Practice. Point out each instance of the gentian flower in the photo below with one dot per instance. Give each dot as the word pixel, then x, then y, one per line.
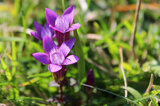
pixel 90 78
pixel 56 57
pixel 90 81
pixel 61 24
pixel 42 31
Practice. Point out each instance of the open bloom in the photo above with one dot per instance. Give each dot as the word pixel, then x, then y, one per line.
pixel 61 24
pixel 42 31
pixel 55 56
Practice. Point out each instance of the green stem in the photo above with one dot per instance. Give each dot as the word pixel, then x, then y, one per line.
pixel 63 5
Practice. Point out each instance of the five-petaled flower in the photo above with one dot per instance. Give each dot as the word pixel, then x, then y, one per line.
pixel 61 24
pixel 55 56
pixel 42 31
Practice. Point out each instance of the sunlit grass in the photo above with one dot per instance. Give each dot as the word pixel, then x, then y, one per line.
pixel 24 81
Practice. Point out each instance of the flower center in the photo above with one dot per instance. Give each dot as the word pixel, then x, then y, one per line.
pixel 56 57
pixel 61 23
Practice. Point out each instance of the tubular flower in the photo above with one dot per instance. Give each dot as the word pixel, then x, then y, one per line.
pixel 56 57
pixel 90 81
pixel 42 31
pixel 61 24
pixel 60 76
pixel 90 78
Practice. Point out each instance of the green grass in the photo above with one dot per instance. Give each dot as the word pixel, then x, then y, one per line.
pixel 25 81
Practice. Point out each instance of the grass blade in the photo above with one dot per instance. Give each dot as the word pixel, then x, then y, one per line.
pixel 79 53
pixel 8 74
pixel 45 74
pixel 9 39
pixel 13 57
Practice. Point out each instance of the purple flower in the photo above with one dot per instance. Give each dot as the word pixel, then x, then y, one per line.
pixel 60 76
pixel 90 81
pixel 90 78
pixel 42 31
pixel 55 56
pixel 61 24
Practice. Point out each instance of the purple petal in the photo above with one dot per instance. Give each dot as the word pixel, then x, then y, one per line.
pixel 36 35
pixel 41 57
pixel 38 27
pixel 90 78
pixel 48 44
pixel 50 16
pixel 49 30
pixel 55 29
pixel 67 46
pixel 53 35
pixel 69 14
pixel 73 27
pixel 46 25
pixel 54 68
pixel 70 60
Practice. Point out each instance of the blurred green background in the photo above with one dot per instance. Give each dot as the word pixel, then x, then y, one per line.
pixel 106 26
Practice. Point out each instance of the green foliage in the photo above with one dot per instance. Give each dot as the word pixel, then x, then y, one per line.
pixel 7 72
pixel 79 53
pixel 104 29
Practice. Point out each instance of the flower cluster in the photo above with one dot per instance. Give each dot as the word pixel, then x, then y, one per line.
pixel 56 56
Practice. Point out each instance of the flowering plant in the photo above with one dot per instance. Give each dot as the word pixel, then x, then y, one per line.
pixel 62 24
pixel 57 56
pixel 42 31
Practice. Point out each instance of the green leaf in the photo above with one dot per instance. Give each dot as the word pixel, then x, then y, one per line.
pixel 9 39
pixel 23 36
pixel 4 84
pixel 157 89
pixel 154 102
pixel 16 93
pixel 127 66
pixel 79 53
pixel 45 74
pixel 124 45
pixel 113 48
pixel 31 81
pixel 88 2
pixel 7 72
pixel 127 25
pixel 16 8
pixel 11 93
pixel 37 47
pixel 13 57
pixel 144 98
pixel 31 98
pixel 112 93
pixel 99 42
pixel 134 92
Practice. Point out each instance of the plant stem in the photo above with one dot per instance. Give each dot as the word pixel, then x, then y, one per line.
pixel 135 27
pixel 123 73
pixel 61 90
pixel 63 5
